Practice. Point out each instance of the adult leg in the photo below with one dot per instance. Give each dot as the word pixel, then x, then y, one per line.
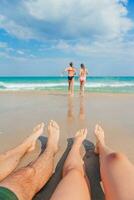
pixel 83 87
pixel 82 84
pixel 73 184
pixel 117 172
pixel 80 87
pixel 72 86
pixel 69 86
pixel 26 182
pixel 10 159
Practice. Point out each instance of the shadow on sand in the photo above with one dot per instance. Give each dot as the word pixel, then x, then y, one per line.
pixel 91 161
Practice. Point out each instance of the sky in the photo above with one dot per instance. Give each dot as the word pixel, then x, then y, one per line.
pixel 40 37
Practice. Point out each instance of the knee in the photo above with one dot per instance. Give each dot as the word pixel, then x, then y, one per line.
pixel 66 169
pixel 115 157
pixel 76 172
pixel 72 169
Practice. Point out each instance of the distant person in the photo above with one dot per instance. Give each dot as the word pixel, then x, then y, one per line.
pixel 71 73
pixel 83 74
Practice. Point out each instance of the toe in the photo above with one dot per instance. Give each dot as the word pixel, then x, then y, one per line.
pixel 42 125
pixel 77 133
pixel 36 128
pixel 39 126
pixel 55 125
pixel 100 129
pixel 85 131
pixel 96 128
pixel 50 123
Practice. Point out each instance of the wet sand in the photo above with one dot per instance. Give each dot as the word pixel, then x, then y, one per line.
pixel 21 111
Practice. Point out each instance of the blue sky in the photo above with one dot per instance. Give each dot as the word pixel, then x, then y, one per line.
pixel 39 38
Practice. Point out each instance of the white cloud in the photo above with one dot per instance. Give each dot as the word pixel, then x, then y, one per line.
pixel 15 29
pixel 114 49
pixel 3 45
pixel 20 52
pixel 62 45
pixel 8 52
pixel 65 19
pixel 83 18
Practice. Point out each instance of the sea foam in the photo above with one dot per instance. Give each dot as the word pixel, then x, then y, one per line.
pixel 93 84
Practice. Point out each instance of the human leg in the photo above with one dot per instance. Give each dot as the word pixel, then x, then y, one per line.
pixel 73 184
pixel 80 87
pixel 29 180
pixel 117 172
pixel 10 159
pixel 72 86
pixel 69 86
pixel 83 87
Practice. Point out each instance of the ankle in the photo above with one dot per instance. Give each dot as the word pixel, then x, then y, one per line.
pixel 53 148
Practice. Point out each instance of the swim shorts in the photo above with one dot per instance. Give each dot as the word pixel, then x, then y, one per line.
pixel 6 194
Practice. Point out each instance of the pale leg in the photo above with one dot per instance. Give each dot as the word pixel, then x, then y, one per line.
pixel 117 172
pixel 82 85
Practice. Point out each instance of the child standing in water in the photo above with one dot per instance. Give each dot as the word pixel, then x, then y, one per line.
pixel 71 73
pixel 83 74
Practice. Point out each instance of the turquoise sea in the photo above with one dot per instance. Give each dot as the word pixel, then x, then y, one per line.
pixel 93 84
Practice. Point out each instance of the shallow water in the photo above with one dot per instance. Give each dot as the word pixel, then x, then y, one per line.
pixel 93 84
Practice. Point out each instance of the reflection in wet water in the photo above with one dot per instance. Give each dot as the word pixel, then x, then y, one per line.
pixel 70 111
pixel 73 115
pixel 82 109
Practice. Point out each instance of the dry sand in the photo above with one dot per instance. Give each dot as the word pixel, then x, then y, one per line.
pixel 21 111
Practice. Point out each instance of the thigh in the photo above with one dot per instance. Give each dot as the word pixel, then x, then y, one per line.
pixel 83 84
pixel 69 82
pixel 117 177
pixel 72 81
pixel 72 186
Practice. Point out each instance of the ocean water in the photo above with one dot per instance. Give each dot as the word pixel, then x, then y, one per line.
pixel 93 84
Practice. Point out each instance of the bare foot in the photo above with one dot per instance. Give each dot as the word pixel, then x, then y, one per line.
pixel 99 134
pixel 31 140
pixel 80 136
pixel 53 135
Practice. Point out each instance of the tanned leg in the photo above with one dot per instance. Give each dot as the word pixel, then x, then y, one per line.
pixel 72 86
pixel 26 182
pixel 69 87
pixel 10 159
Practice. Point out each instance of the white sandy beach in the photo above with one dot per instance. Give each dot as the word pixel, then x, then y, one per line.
pixel 21 111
